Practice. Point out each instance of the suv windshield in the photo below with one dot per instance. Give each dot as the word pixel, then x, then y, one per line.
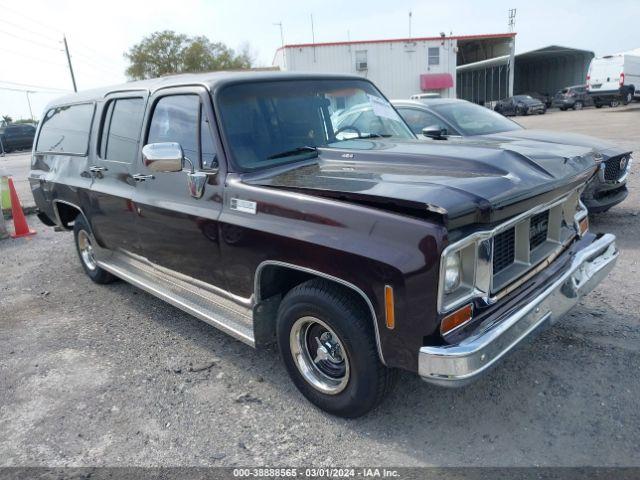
pixel 271 123
pixel 471 119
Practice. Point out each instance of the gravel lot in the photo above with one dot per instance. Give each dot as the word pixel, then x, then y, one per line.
pixel 109 375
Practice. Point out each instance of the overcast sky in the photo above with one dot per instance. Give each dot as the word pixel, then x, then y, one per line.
pixel 99 32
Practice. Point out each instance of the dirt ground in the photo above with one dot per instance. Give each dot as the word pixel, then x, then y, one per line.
pixel 109 375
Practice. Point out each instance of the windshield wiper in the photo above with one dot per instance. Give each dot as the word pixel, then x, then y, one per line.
pixel 375 135
pixel 368 135
pixel 290 153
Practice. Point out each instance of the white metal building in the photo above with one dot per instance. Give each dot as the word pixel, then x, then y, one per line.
pixel 399 67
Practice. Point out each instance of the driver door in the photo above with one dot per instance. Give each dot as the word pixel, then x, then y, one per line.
pixel 177 230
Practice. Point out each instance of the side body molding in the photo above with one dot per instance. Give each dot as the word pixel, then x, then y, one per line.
pixel 275 263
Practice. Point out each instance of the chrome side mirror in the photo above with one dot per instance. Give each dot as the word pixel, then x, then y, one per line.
pixel 163 157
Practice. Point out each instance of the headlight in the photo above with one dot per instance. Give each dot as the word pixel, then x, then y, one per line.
pixel 458 274
pixel 452 267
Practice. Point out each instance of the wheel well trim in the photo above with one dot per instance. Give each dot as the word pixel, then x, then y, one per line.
pixel 59 219
pixel 291 266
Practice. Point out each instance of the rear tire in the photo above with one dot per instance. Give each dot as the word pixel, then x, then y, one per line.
pixel 628 97
pixel 598 105
pixel 84 247
pixel 329 349
pixel 614 103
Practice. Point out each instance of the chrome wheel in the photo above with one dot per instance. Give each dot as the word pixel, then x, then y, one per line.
pixel 319 355
pixel 86 250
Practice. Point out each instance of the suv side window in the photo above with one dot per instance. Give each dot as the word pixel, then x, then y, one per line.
pixel 175 119
pixel 121 129
pixel 65 129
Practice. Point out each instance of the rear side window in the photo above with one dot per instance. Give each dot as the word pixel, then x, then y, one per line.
pixel 121 129
pixel 66 129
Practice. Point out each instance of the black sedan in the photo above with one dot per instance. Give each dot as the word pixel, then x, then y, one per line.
pixel 16 136
pixel 449 119
pixel 520 105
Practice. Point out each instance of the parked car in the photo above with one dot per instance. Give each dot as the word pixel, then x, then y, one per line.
pixel 575 97
pixel 233 196
pixel 542 97
pixel 16 136
pixel 614 78
pixel 520 105
pixel 458 119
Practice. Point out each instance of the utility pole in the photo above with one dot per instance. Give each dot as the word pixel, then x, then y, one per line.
pixel 284 54
pixel 512 52
pixel 66 49
pixel 410 14
pixel 313 40
pixel 29 103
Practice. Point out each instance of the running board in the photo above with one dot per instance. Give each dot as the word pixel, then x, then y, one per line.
pixel 218 311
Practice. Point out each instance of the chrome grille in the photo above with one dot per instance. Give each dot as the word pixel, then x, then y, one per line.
pixel 523 245
pixel 495 262
pixel 504 250
pixel 538 229
pixel 612 169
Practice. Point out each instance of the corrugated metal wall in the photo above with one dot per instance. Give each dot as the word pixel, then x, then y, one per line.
pixel 550 75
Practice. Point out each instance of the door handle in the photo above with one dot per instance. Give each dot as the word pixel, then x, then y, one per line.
pixel 138 177
pixel 96 169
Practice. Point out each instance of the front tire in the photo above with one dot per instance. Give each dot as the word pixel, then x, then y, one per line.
pixel 85 248
pixel 628 97
pixel 329 349
pixel 578 106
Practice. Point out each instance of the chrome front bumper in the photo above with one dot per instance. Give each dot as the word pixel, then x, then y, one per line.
pixel 458 365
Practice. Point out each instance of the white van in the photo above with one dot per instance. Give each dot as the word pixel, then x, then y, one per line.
pixel 614 78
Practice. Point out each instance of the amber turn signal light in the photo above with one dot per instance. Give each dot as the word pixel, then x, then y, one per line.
pixel 584 225
pixel 390 313
pixel 456 319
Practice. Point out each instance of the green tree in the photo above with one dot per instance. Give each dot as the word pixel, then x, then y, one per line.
pixel 167 52
pixel 7 119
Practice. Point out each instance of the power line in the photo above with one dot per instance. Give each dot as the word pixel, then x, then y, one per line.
pixel 31 57
pixel 26 90
pixel 95 52
pixel 33 32
pixel 28 85
pixel 40 44
pixel 30 19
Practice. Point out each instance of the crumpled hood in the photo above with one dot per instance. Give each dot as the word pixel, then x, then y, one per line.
pixel 607 149
pixel 459 181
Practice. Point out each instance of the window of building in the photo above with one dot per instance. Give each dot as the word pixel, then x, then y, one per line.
pixel 66 129
pixel 175 119
pixel 121 129
pixel 434 56
pixel 361 60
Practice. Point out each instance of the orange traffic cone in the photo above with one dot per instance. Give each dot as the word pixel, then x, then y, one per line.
pixel 20 227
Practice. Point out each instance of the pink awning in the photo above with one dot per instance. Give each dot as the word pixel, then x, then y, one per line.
pixel 435 81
